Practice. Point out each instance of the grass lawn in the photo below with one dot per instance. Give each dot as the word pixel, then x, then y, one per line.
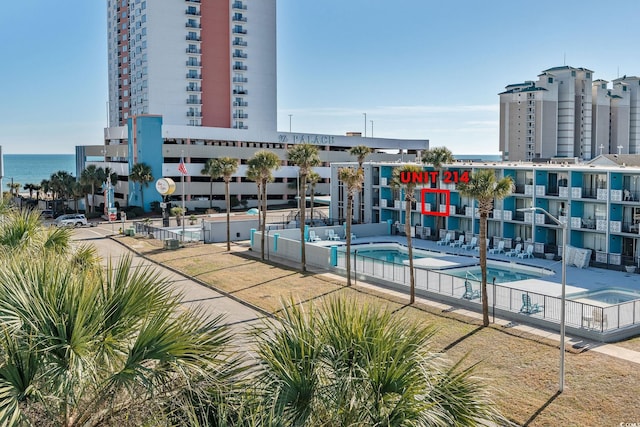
pixel 522 370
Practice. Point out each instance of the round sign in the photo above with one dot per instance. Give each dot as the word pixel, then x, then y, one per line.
pixel 112 217
pixel 165 186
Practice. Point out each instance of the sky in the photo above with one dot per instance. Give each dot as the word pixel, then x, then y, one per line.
pixel 418 69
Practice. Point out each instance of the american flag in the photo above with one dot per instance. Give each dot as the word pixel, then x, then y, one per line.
pixel 181 167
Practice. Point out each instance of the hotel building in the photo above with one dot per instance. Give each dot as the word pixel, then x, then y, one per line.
pixel 566 114
pixel 197 80
pixel 599 201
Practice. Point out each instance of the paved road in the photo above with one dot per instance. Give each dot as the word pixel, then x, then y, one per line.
pixel 239 316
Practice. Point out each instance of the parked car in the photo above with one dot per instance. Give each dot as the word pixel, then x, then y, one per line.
pixel 47 214
pixel 71 220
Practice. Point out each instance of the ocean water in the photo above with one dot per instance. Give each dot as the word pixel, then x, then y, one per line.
pixel 33 168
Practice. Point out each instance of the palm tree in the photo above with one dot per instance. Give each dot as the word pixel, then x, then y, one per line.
pixel 141 173
pixel 224 168
pixel 62 184
pixel 46 186
pixel 361 152
pixel 409 197
pixel 178 212
pixel 349 364
pixel 30 188
pixel 254 175
pixel 437 157
pixel 261 166
pixel 14 187
pixel 228 167
pixel 86 348
pixel 353 180
pixel 91 176
pixel 305 156
pixel 485 188
pixel 312 179
pixel 211 169
pixel 37 188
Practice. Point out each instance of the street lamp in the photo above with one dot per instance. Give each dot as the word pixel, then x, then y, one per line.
pixel 565 229
pixel 365 124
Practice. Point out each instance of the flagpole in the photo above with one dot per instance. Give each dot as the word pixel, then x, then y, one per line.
pixel 183 195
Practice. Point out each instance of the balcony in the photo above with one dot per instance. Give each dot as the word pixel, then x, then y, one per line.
pixel 192 25
pixel 240 116
pixel 239 31
pixel 192 12
pixel 240 104
pixel 240 80
pixel 239 55
pixel 194 64
pixel 239 43
pixel 240 92
pixel 194 51
pixel 194 38
pixel 239 5
pixel 240 67
pixel 194 114
pixel 192 1
pixel 194 76
pixel 240 127
pixel 194 89
pixel 194 101
pixel 239 19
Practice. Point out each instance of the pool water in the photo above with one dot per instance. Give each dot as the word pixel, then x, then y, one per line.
pixel 501 275
pixel 610 296
pixel 388 255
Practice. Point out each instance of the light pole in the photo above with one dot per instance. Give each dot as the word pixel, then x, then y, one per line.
pixel 565 228
pixel 290 115
pixel 371 128
pixel 365 124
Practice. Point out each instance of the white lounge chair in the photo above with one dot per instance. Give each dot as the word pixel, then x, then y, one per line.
pixel 458 243
pixel 498 249
pixel 527 254
pixel 445 241
pixel 471 245
pixel 331 235
pixel 313 237
pixel 516 251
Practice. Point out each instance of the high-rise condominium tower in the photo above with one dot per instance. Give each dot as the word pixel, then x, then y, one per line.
pixel 200 63
pixel 548 118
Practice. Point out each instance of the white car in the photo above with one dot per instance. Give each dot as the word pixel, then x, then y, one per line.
pixel 71 220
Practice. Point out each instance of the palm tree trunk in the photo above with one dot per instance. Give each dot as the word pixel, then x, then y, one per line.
pixel 93 200
pixel 303 206
pixel 483 268
pixel 311 208
pixel 211 194
pixel 348 238
pixel 407 231
pixel 264 215
pixel 226 197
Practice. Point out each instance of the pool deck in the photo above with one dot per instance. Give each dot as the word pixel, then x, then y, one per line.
pixel 578 279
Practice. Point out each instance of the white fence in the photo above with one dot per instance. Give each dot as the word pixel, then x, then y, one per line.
pixel 609 323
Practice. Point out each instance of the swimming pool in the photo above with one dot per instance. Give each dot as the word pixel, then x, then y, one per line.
pixel 396 256
pixel 609 296
pixel 502 274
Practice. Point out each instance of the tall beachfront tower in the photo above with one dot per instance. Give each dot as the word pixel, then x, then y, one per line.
pixel 196 63
pixel 548 118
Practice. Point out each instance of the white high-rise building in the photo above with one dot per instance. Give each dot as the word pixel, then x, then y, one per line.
pixel 209 63
pixel 548 118
pixel 194 80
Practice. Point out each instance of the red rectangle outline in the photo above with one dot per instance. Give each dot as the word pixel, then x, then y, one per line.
pixel 447 194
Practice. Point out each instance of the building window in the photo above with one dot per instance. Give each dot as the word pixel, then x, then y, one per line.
pixel 550 80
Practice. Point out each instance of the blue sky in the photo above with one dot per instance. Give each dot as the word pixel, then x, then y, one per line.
pixel 417 68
